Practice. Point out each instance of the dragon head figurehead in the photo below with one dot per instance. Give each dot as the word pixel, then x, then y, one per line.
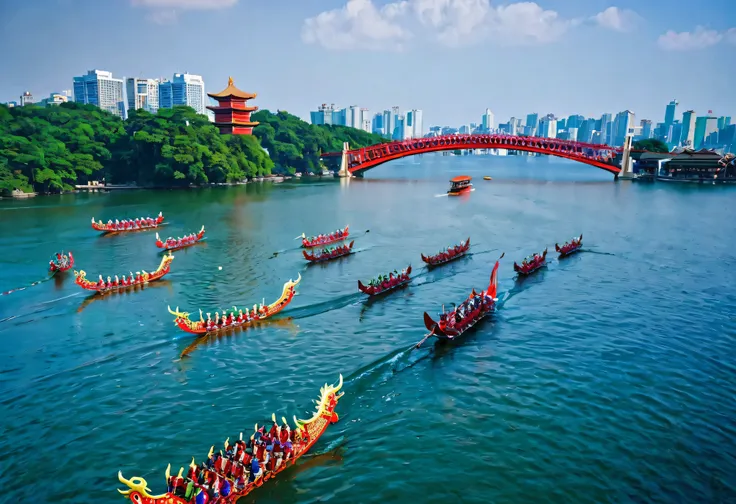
pixel 329 395
pixel 80 275
pixel 139 493
pixel 165 262
pixel 180 316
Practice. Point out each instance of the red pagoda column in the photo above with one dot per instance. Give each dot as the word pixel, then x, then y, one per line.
pixel 232 114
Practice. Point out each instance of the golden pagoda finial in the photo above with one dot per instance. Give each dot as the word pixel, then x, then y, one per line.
pixel 229 81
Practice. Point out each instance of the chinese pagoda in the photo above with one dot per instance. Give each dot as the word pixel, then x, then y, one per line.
pixel 232 114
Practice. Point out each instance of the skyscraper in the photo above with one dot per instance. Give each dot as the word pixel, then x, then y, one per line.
pixel 646 129
pixel 183 89
pixel 669 114
pixel 323 114
pixel 575 121
pixel 26 98
pixel 547 127
pixel 532 121
pixel 377 126
pixel 487 121
pixel 605 129
pixel 101 89
pixel 585 131
pixel 704 126
pixel 723 122
pixel 688 129
pixel 142 94
pixel 622 126
pixel 414 120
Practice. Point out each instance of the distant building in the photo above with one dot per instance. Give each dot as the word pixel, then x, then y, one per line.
pixel 54 99
pixel 532 121
pixel 586 131
pixel 323 114
pixel 646 129
pixel 575 121
pixel 26 99
pixel 101 89
pixel 142 94
pixel 688 129
pixel 572 134
pixel 669 114
pixel 414 123
pixel 698 166
pixel 623 125
pixel 606 129
pixel 377 124
pixel 232 113
pixel 704 126
pixel 673 140
pixel 487 122
pixel 723 122
pixel 547 126
pixel 183 89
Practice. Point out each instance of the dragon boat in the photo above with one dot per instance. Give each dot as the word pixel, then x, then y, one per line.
pixel 450 254
pixel 187 241
pixel 236 318
pixel 61 262
pixel 532 264
pixel 117 284
pixel 388 284
pixel 471 311
pixel 318 241
pixel 128 225
pixel 334 253
pixel 570 247
pixel 226 477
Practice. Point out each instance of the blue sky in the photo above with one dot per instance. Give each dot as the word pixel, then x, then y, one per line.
pixel 451 58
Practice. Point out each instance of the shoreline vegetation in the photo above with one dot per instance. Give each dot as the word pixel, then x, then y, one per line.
pixel 49 150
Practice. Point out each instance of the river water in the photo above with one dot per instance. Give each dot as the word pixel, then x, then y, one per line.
pixel 608 376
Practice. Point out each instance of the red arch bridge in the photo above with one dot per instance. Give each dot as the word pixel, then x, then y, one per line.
pixel 358 161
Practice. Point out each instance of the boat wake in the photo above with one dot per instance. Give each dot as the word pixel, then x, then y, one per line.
pixel 307 311
pixel 32 284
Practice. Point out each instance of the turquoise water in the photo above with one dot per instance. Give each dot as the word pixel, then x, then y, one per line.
pixel 608 376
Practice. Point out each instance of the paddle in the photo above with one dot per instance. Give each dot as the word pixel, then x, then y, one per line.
pixel 426 336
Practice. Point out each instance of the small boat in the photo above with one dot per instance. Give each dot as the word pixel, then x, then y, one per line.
pixel 117 284
pixel 570 247
pixel 318 241
pixel 236 318
pixel 230 470
pixel 460 185
pixel 487 178
pixel 171 244
pixel 455 323
pixel 128 225
pixel 531 264
pixel 61 262
pixel 450 254
pixel 388 283
pixel 329 254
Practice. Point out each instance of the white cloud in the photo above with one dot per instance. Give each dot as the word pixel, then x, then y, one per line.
pixel 526 23
pixel 687 41
pixel 163 17
pixel 185 4
pixel 731 35
pixel 359 24
pixel 616 19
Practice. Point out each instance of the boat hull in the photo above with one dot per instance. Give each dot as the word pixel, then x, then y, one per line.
pixel 163 269
pixel 372 291
pixel 531 268
pixel 459 192
pixel 316 243
pixel 569 249
pixel 433 261
pixel 104 228
pixel 317 259
pixel 162 245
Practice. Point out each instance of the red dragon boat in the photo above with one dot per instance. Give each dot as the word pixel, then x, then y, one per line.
pixel 329 254
pixel 61 262
pixel 171 244
pixel 237 317
pixel 531 264
pixel 244 466
pixel 123 283
pixel 471 311
pixel 450 254
pixel 124 226
pixel 570 247
pixel 386 283
pixel 318 241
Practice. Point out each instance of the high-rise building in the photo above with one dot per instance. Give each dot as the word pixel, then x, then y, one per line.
pixel 26 98
pixel 547 127
pixel 561 124
pixel 54 99
pixel 688 129
pixel 512 129
pixel 183 89
pixel 414 122
pixel 606 127
pixel 623 125
pixel 646 129
pixel 675 134
pixel 585 131
pixel 323 114
pixel 377 125
pixel 669 114
pixel 101 89
pixel 142 94
pixel 572 134
pixel 575 121
pixel 704 126
pixel 724 121
pixel 487 122
pixel 532 121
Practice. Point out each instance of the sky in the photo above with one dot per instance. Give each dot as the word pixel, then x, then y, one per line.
pixel 450 58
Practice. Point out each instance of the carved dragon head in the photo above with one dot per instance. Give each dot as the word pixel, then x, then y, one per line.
pixel 328 393
pixel 139 493
pixel 81 275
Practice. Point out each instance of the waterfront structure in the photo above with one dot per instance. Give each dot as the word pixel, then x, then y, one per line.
pixel 26 99
pixel 687 137
pixel 623 126
pixel 232 113
pixel 547 126
pixel 142 94
pixel 100 88
pixel 184 89
pixel 704 126
pixel 698 166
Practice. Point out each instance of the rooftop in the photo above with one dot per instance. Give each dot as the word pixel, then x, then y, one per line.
pixel 231 90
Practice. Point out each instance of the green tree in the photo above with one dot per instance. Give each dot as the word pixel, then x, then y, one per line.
pixel 651 145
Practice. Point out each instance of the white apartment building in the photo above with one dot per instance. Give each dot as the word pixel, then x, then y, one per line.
pixel 101 89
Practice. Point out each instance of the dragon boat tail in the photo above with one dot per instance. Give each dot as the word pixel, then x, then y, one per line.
pixel 201 326
pixel 140 278
pixel 185 490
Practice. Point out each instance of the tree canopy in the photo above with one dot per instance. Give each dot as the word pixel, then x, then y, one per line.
pixel 651 145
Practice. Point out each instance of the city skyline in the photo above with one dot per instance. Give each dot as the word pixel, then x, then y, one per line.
pixel 425 53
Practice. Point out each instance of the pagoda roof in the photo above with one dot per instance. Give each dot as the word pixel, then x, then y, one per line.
pixel 231 90
pixel 237 123
pixel 235 109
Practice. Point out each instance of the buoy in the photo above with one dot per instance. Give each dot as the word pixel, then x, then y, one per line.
pixel 487 178
pixel 219 267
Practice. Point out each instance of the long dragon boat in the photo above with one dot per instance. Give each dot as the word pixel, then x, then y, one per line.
pixel 245 465
pixel 471 311
pixel 318 241
pixel 386 284
pixel 118 284
pixel 570 247
pixel 450 254
pixel 61 262
pixel 327 255
pixel 124 226
pixel 187 241
pixel 236 318
pixel 531 264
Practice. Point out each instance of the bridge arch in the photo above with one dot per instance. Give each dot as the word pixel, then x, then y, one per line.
pixel 600 156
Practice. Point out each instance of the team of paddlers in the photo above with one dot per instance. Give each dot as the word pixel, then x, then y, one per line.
pixel 180 242
pixel 139 278
pixel 314 241
pixel 236 317
pixel 459 318
pixel 130 224
pixel 329 252
pixel 387 281
pixel 241 463
pixel 61 261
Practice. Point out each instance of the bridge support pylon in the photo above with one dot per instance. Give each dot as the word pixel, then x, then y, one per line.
pixel 626 172
pixel 343 172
